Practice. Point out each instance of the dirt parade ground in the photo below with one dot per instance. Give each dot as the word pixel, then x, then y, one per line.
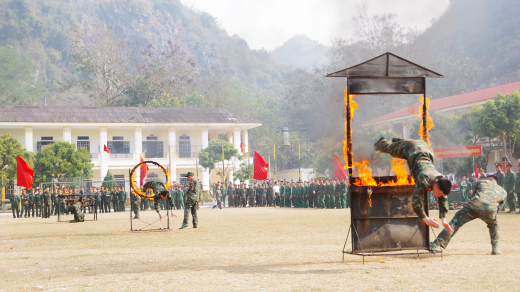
pixel 253 249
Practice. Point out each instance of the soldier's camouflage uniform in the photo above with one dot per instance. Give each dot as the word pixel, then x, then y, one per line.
pixel 158 188
pixel 485 203
pixel 421 164
pixel 75 209
pixel 135 202
pixel 46 198
pixel 191 204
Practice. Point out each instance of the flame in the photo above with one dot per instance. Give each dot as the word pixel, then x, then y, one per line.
pixel 366 178
pixel 353 107
pixel 423 133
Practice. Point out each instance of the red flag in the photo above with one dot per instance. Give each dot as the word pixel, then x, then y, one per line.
pixel 260 167
pixel 339 171
pixel 24 173
pixel 241 147
pixel 106 149
pixel 144 170
pixel 476 171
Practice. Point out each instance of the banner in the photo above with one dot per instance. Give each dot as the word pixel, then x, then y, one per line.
pixel 106 149
pixel 144 170
pixel 260 167
pixel 463 151
pixel 339 171
pixel 24 173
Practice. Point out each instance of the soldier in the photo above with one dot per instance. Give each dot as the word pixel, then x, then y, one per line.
pixel 38 203
pixel 15 201
pixel 25 204
pixel 463 188
pixel 180 197
pixel 123 199
pixel 160 193
pixel 114 195
pixel 75 209
pixel 99 202
pixel 269 194
pixel 509 187
pixel 103 200
pixel 191 202
pixel 135 201
pixel 218 196
pixel 54 201
pixel 223 190
pixel 230 194
pixel 46 203
pixel 421 164
pixel 31 203
pixel 499 174
pixel 469 190
pixel 251 193
pixel 485 203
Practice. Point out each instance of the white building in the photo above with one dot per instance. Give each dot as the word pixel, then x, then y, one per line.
pixel 169 136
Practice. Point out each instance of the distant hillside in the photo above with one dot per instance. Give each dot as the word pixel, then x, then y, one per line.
pixel 488 30
pixel 42 28
pixel 301 51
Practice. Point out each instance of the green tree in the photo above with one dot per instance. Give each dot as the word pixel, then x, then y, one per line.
pixel 499 121
pixel 210 156
pixel 10 148
pixel 17 78
pixel 108 181
pixel 244 172
pixel 61 161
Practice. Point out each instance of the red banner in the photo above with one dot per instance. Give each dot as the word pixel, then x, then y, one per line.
pixel 339 171
pixel 24 173
pixel 464 151
pixel 144 170
pixel 260 167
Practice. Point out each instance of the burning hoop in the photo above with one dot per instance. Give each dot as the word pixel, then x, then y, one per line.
pixel 137 190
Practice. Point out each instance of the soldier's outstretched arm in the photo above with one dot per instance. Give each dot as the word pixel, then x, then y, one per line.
pixel 417 205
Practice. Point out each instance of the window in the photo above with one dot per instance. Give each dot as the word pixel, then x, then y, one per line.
pixel 119 146
pixel 118 138
pixel 153 149
pixel 83 138
pixel 47 138
pixel 151 138
pixel 120 179
pixel 84 144
pixel 184 147
pixel 40 145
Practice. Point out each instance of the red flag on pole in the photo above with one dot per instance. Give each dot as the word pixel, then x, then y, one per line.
pixel 339 171
pixel 24 173
pixel 106 149
pixel 144 170
pixel 241 147
pixel 476 171
pixel 260 167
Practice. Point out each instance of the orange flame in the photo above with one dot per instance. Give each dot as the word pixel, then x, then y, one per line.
pixel 353 107
pixel 367 179
pixel 423 133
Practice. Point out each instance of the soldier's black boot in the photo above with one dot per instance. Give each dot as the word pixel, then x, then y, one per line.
pixel 495 250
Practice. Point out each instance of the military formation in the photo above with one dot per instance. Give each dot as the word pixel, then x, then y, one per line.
pixel 324 193
pixel 44 203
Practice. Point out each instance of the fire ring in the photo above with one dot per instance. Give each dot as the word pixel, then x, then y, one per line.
pixel 137 190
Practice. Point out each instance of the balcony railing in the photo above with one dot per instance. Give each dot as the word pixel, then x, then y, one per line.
pixel 121 155
pixel 94 155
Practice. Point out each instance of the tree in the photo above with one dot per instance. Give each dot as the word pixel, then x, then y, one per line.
pixel 10 148
pixel 244 172
pixel 108 181
pixel 61 161
pixel 499 120
pixel 210 156
pixel 17 78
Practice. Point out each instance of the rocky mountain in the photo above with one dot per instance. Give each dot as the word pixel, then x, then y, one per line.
pixel 301 51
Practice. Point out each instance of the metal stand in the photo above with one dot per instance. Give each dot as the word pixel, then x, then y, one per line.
pixel 151 227
pixel 88 203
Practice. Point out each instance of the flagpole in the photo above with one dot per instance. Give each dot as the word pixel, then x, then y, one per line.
pixel 249 181
pixel 223 177
pixel 274 158
pixel 196 162
pixel 299 164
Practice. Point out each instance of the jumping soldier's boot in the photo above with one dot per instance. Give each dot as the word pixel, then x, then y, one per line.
pixel 184 226
pixel 495 250
pixel 434 245
pixel 377 145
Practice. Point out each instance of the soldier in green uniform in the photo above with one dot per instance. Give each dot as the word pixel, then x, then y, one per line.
pixel 223 190
pixel 114 196
pixel 108 200
pixel 243 194
pixel 230 194
pixel 38 203
pixel 75 209
pixel 135 202
pixel 160 193
pixel 469 190
pixel 251 193
pixel 191 202
pixel 24 198
pixel 15 201
pixel 54 201
pixel 46 203
pixel 509 187
pixel 180 196
pixel 499 174
pixel 31 202
pixel 485 203
pixel 99 200
pixel 103 201
pixel 463 185
pixel 420 160
pixel 123 198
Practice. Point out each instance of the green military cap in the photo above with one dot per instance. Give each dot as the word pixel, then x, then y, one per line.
pixel 509 164
pixel 189 173
pixel 498 164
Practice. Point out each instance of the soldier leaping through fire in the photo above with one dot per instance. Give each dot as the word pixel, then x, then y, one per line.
pixel 421 164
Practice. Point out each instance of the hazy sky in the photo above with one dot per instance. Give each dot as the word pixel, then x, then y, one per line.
pixel 269 23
